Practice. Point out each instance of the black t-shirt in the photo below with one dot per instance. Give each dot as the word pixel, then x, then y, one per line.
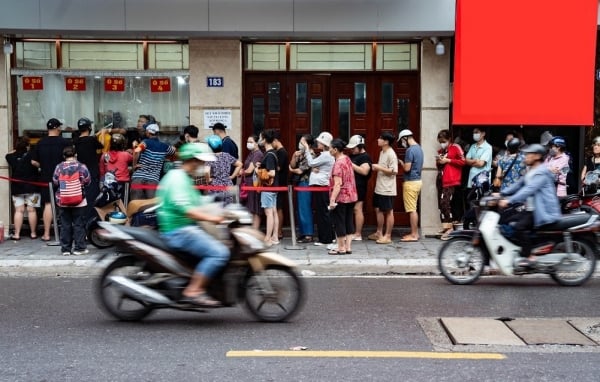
pixel 283 164
pixel 270 163
pixel 230 147
pixel 361 180
pixel 49 152
pixel 87 153
pixel 22 169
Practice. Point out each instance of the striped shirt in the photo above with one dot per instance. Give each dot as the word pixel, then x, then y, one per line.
pixel 152 156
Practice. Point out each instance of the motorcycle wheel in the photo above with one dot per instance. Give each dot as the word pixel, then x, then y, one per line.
pixel 460 262
pixel 286 300
pixel 585 269
pixel 112 300
pixel 97 240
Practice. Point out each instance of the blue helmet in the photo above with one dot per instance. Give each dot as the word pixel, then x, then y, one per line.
pixel 558 142
pixel 214 141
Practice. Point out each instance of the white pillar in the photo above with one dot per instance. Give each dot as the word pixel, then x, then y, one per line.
pixel 6 142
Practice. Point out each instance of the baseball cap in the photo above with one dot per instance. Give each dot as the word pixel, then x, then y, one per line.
pixel 152 128
pixel 218 126
pixel 355 140
pixel 53 123
pixel 325 139
pixel 84 123
pixel 197 150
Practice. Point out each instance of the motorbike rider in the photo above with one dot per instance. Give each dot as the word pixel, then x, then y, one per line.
pixel 535 189
pixel 181 209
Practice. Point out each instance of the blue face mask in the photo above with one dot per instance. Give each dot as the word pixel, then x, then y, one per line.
pixel 476 137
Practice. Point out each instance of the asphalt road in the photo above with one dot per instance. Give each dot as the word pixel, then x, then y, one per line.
pixel 52 330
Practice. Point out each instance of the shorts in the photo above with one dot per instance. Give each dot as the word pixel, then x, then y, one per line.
pixel 45 193
pixel 383 202
pixel 29 200
pixel 268 199
pixel 410 193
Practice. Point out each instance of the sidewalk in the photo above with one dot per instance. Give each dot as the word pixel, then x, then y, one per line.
pixel 34 257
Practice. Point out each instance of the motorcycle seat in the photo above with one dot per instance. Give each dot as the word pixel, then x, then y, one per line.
pixel 566 222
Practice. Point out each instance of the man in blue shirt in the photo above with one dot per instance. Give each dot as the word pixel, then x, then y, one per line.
pixel 479 156
pixel 411 188
pixel 536 190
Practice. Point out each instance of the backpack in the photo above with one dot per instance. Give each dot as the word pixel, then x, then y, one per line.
pixel 70 190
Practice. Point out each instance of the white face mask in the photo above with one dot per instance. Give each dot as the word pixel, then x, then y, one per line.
pixel 300 146
pixel 250 146
pixel 202 170
pixel 443 145
pixel 404 143
pixel 476 137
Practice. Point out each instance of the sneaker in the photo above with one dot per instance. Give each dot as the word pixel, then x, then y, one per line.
pixel 357 238
pixel 79 252
pixel 66 253
pixel 318 243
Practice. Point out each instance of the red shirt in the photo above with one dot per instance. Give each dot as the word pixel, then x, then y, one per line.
pixel 118 163
pixel 343 168
pixel 452 172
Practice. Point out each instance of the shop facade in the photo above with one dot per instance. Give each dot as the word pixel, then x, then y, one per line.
pixel 348 68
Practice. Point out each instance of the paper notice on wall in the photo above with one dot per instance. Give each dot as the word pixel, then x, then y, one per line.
pixel 217 115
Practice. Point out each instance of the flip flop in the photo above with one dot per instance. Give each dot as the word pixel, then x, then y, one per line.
pixel 34 237
pixel 408 239
pixel 202 300
pixel 48 239
pixel 335 252
pixel 15 238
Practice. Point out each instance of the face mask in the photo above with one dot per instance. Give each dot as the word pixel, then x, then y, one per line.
pixel 443 145
pixel 404 144
pixel 476 137
pixel 300 147
pixel 202 170
pixel 505 143
pixel 250 146
pixel 553 152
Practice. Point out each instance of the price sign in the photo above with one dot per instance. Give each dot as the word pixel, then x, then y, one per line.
pixel 159 85
pixel 75 84
pixel 33 83
pixel 214 82
pixel 114 84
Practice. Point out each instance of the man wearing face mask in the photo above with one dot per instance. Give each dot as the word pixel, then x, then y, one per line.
pixel 557 162
pixel 479 156
pixel 179 212
pixel 411 187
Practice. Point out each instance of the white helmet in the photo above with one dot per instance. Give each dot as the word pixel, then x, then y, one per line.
pixel 404 133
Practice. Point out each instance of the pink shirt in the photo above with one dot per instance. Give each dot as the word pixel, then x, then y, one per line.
pixel 556 165
pixel 343 168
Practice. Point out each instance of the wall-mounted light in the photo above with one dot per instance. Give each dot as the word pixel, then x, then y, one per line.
pixel 7 48
pixel 440 49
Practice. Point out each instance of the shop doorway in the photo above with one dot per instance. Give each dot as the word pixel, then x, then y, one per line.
pixel 344 104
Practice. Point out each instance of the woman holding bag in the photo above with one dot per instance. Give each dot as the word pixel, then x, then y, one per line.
pixel 252 200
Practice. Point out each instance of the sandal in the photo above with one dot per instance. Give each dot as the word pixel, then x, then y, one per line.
pixel 305 239
pixel 335 252
pixel 203 300
pixel 15 238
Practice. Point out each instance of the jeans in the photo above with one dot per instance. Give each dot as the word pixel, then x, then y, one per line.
pixel 213 254
pixel 72 228
pixel 305 213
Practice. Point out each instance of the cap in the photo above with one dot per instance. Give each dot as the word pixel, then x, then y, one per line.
pixel 214 141
pixel 535 148
pixel 218 126
pixel 196 150
pixel 355 140
pixel 152 128
pixel 84 123
pixel 404 133
pixel 53 123
pixel 325 139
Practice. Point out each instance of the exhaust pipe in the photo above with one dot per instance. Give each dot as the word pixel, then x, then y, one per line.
pixel 138 291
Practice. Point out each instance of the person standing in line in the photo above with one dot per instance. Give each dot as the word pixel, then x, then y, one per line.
pixel 593 162
pixel 219 169
pixel 88 150
pixel 361 164
pixel 268 199
pixel 229 146
pixel 148 159
pixel 255 156
pixel 479 156
pixel 385 189
pixel 135 137
pixel 342 198
pixel 511 167
pixel 320 172
pixel 117 161
pixel 24 194
pixel 301 173
pixel 48 153
pixel 282 179
pixel 411 187
pixel 557 162
pixel 72 218
pixel 450 161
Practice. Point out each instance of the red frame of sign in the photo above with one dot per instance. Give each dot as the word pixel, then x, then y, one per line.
pixel 160 85
pixel 33 83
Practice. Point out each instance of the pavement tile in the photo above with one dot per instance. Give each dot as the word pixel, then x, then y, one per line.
pixel 548 332
pixel 479 331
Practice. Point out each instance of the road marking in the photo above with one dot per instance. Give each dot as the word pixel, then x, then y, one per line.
pixel 363 354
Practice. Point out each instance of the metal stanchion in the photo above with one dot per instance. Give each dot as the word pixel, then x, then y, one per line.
pixel 292 223
pixel 126 196
pixel 56 241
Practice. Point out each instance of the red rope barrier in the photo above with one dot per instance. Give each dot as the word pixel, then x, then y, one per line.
pixel 39 184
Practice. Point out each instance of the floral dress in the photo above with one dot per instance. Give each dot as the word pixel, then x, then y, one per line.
pixel 219 174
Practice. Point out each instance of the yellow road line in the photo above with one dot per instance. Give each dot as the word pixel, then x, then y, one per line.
pixel 362 354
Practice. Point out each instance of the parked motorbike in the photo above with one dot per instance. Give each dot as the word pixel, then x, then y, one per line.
pixel 148 275
pixel 565 250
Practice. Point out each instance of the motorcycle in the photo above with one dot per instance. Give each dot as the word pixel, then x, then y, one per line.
pixel 590 195
pixel 565 250
pixel 147 275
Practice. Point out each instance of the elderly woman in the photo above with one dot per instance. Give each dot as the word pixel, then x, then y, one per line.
pixel 220 169
pixel 342 198
pixel 593 162
pixel 301 170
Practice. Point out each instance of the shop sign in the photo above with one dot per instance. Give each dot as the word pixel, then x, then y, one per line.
pixel 159 85
pixel 33 83
pixel 217 115
pixel 75 84
pixel 114 84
